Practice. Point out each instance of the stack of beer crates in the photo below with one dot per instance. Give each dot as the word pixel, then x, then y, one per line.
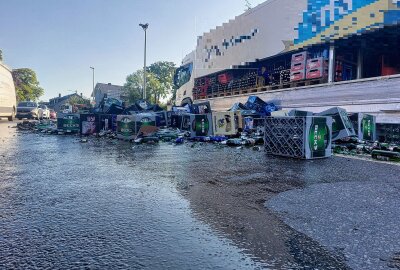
pixel 298 66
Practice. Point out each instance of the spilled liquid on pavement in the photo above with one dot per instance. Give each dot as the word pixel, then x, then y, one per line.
pixel 67 205
pixel 109 204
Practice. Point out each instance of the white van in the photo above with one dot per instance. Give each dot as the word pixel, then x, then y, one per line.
pixel 7 93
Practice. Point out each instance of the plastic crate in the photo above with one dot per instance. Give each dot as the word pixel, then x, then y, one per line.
pixel 319 62
pixel 300 57
pixel 89 124
pixel 388 133
pixel 224 123
pixel 297 76
pixel 298 137
pixel 199 125
pixel 69 123
pixel 364 126
pixel 126 127
pixel 342 127
pixel 300 66
pixel 317 73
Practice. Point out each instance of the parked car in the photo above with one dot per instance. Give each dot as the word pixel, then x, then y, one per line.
pixel 44 112
pixel 27 109
pixel 53 114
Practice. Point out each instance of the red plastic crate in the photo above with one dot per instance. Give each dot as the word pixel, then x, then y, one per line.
pixel 317 73
pixel 319 62
pixel 297 76
pixel 300 66
pixel 299 57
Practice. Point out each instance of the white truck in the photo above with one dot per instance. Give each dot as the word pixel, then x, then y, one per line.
pixel 7 93
pixel 262 31
pixel 280 28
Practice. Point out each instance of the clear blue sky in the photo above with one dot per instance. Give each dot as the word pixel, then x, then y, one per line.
pixel 61 39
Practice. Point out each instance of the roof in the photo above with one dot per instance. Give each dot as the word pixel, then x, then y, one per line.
pixel 59 99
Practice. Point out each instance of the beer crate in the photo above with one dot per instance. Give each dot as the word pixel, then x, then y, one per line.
pixel 89 124
pixel 69 122
pixel 176 121
pixel 300 57
pixel 300 66
pixel 318 62
pixel 316 73
pixel 199 125
pixel 364 126
pixel 144 119
pixel 300 113
pixel 161 119
pixel 298 137
pixel 239 120
pixel 108 122
pixel 388 132
pixel 297 76
pixel 126 127
pixel 224 123
pixel 342 127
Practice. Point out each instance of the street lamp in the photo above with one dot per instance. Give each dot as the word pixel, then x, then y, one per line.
pixel 92 68
pixel 144 26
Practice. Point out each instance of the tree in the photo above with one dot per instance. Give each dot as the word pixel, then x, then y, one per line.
pixel 77 100
pixel 78 103
pixel 164 72
pixel 26 84
pixel 133 88
pixel 154 88
pixel 1 55
pixel 159 82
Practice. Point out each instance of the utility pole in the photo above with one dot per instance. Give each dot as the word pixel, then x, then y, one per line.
pixel 248 5
pixel 93 79
pixel 144 26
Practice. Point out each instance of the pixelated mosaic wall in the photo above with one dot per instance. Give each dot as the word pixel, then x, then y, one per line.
pixel 326 20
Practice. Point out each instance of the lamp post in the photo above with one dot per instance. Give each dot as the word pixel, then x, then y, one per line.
pixel 144 26
pixel 92 68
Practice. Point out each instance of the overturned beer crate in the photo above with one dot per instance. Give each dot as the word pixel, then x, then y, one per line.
pixel 224 123
pixel 126 127
pixel 364 126
pixel 69 123
pixel 342 127
pixel 199 125
pixel 298 137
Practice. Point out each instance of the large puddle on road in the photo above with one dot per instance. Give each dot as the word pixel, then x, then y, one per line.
pixel 64 204
pixel 109 204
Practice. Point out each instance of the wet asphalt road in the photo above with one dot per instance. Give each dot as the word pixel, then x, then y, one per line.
pixel 103 205
pixel 67 205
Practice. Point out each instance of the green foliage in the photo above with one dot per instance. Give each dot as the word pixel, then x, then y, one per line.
pixel 164 72
pixel 159 82
pixel 1 55
pixel 133 87
pixel 26 84
pixel 77 100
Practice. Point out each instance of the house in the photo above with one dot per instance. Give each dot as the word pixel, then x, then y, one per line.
pixel 112 91
pixel 57 102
